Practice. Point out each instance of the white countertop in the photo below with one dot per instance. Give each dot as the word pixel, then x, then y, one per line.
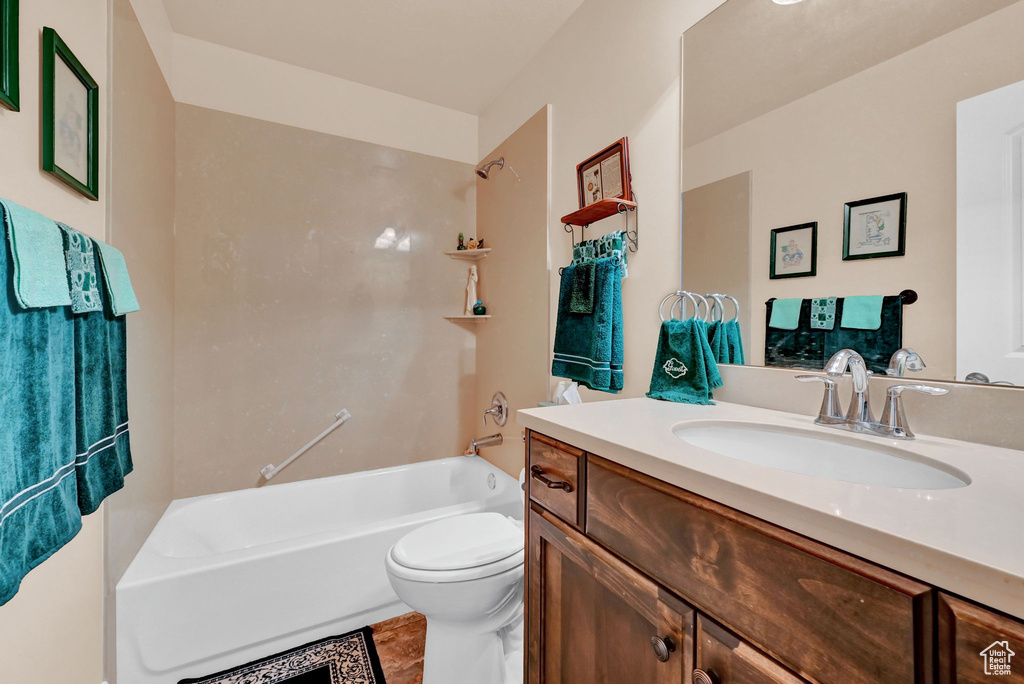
pixel 968 540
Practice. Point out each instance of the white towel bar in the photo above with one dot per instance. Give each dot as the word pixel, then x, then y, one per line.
pixel 270 470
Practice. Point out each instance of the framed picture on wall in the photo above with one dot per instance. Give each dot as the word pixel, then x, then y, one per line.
pixel 71 99
pixel 794 251
pixel 605 175
pixel 875 227
pixel 10 95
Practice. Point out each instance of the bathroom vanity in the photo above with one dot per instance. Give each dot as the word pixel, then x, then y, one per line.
pixel 651 560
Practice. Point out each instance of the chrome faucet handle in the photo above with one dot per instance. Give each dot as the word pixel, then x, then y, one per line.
pixel 498 410
pixel 830 412
pixel 894 418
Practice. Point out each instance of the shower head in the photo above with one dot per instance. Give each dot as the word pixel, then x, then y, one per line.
pixel 483 170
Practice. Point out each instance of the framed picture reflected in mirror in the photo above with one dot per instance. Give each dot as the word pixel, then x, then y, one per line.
pixel 10 94
pixel 794 251
pixel 70 118
pixel 875 227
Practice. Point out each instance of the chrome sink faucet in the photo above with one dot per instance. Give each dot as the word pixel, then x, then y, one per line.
pixel 858 417
pixel 904 360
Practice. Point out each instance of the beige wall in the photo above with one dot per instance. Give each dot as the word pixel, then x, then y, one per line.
pixel 51 631
pixel 891 128
pixel 286 313
pixel 512 347
pixel 142 226
pixel 716 242
pixel 596 97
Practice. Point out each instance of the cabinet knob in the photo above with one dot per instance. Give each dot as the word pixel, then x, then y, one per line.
pixel 663 647
pixel 705 677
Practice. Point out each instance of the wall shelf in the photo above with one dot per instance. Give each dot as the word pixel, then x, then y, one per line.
pixel 466 318
pixel 470 254
pixel 600 209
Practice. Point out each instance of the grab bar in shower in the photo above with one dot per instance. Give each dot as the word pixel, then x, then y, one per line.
pixel 270 470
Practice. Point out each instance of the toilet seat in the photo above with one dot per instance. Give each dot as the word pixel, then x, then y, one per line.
pixel 458 548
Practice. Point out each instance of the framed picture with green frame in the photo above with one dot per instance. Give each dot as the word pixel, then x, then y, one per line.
pixel 71 101
pixel 10 93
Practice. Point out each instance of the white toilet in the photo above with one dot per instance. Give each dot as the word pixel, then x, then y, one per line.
pixel 465 574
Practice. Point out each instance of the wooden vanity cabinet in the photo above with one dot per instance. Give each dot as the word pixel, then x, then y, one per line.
pixel 724 657
pixel 969 635
pixel 594 619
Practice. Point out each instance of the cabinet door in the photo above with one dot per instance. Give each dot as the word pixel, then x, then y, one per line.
pixel 977 645
pixel 594 620
pixel 726 659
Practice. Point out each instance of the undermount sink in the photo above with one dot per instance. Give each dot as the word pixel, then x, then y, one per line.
pixel 834 457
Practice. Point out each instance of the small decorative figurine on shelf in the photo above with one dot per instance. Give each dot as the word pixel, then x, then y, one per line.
pixel 480 243
pixel 462 245
pixel 471 299
pixel 473 243
pixel 479 309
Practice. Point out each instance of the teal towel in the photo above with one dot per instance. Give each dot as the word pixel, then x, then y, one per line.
pixel 38 490
pixel 719 342
pixel 582 300
pixel 80 258
pixel 862 313
pixel 610 245
pixel 785 314
pixel 823 313
pixel 103 453
pixel 588 347
pixel 684 367
pixel 37 250
pixel 734 338
pixel 115 277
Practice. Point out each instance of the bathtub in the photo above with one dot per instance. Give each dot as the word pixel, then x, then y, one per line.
pixel 229 578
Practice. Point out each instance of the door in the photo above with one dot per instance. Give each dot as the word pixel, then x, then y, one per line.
pixel 990 235
pixel 595 620
pixel 724 658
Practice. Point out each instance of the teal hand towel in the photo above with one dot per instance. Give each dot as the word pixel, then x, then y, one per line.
pixel 582 300
pixel 785 314
pixel 38 490
pixel 719 343
pixel 80 258
pixel 684 367
pixel 588 347
pixel 103 453
pixel 823 313
pixel 862 313
pixel 37 252
pixel 734 338
pixel 115 278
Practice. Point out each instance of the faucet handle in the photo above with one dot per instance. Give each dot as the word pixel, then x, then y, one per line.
pixel 894 418
pixel 897 390
pixel 830 412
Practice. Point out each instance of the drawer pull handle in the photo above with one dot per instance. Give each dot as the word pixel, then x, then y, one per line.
pixel 537 474
pixel 708 677
pixel 663 647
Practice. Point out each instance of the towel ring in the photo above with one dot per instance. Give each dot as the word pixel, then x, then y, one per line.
pixel 680 295
pixel 720 306
pixel 717 307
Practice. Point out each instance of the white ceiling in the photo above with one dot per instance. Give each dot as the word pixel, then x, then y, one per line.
pixel 454 53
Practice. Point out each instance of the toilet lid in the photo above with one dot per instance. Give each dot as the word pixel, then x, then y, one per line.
pixel 461 541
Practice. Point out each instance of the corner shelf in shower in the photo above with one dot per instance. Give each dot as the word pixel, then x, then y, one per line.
pixel 470 254
pixel 466 318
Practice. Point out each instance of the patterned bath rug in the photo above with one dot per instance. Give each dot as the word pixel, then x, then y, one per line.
pixel 347 659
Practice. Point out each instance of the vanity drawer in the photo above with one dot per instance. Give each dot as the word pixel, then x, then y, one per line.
pixel 826 615
pixel 727 659
pixel 965 632
pixel 555 477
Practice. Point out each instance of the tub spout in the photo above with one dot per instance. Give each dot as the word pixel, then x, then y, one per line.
pixel 480 442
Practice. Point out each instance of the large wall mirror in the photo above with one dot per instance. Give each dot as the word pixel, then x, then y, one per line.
pixel 852 174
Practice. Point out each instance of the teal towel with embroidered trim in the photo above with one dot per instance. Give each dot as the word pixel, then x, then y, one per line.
pixel 37 254
pixel 862 313
pixel 685 370
pixel 103 452
pixel 38 490
pixel 120 293
pixel 785 314
pixel 734 338
pixel 82 273
pixel 588 347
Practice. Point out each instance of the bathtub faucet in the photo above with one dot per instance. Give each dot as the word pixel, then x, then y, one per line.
pixel 480 442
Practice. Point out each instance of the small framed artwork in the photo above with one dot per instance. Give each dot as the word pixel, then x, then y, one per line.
pixel 795 251
pixel 605 175
pixel 875 227
pixel 71 100
pixel 10 95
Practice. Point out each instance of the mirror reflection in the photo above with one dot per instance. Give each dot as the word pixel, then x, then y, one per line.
pixel 852 175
